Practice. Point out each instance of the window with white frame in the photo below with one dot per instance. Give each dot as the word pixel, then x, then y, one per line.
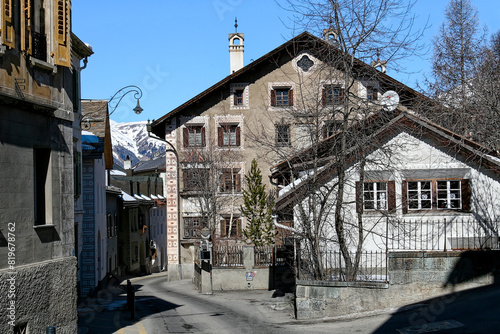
pixel 449 194
pixel 374 196
pixel 419 195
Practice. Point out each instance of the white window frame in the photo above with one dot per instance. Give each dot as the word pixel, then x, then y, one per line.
pixel 420 192
pixel 450 194
pixel 378 196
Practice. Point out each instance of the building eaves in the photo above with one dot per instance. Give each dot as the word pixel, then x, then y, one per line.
pixel 403 121
pixel 305 40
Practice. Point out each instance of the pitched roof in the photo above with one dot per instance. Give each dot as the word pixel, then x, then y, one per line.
pixel 401 122
pixel 96 112
pixel 304 41
pixel 157 164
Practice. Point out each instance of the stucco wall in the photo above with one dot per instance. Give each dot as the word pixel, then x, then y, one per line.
pixel 45 295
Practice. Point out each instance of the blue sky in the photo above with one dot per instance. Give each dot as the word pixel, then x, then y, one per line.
pixel 174 50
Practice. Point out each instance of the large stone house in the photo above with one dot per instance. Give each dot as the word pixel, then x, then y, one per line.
pixel 39 106
pixel 264 110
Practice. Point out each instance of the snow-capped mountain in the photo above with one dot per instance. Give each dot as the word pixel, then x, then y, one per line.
pixel 131 139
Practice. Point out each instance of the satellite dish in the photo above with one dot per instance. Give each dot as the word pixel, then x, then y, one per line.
pixel 390 100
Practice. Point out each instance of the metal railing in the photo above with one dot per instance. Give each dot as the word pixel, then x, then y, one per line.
pixel 443 235
pixel 372 267
pixel 227 256
pixel 263 256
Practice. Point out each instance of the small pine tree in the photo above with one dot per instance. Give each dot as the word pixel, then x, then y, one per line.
pixel 257 208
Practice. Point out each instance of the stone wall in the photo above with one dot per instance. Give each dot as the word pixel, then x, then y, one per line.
pixel 413 277
pixel 45 295
pixel 248 276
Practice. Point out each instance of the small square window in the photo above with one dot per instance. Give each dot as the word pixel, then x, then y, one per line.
pixel 282 135
pixel 230 181
pixel 281 97
pixel 332 95
pixel 371 93
pixel 229 135
pixel 238 97
pixel 194 136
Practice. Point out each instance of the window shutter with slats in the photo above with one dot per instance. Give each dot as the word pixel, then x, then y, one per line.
pixel 466 195
pixel 220 135
pixel 404 196
pixel 273 97
pixel 290 97
pixel 185 137
pixel 238 136
pixel 203 140
pixel 26 25
pixel 62 40
pixel 391 196
pixel 7 29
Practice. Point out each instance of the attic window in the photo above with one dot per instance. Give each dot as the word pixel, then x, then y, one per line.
pixel 305 63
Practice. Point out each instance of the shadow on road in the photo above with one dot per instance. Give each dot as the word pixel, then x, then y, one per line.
pixel 108 312
pixel 468 311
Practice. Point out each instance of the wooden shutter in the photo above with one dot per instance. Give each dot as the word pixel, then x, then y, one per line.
pixel 238 135
pixel 7 29
pixel 466 195
pixel 290 97
pixel 26 25
pixel 185 136
pixel 323 97
pixel 404 196
pixel 273 97
pixel 359 197
pixel 391 195
pixel 220 134
pixel 203 140
pixel 62 37
pixel 238 182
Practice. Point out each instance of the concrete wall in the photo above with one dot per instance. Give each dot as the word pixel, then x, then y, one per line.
pixel 413 277
pixel 45 295
pixel 232 278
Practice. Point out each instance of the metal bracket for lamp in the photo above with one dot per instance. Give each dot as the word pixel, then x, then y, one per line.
pixel 113 102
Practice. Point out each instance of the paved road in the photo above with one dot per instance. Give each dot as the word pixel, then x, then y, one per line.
pixel 176 307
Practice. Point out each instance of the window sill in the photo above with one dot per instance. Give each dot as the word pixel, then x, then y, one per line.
pixel 45 226
pixel 43 65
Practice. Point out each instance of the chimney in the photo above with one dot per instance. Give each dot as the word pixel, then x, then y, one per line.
pixel 127 165
pixel 236 49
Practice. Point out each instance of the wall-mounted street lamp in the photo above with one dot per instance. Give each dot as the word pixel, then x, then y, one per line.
pixel 113 102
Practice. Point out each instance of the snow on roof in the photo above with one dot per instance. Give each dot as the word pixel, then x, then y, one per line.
pixel 127 198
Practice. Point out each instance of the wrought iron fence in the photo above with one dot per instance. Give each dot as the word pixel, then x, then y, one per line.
pixel 263 256
pixel 227 256
pixel 443 235
pixel 372 267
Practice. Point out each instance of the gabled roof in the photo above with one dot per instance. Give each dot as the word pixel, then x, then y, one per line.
pixel 157 164
pixel 401 122
pixel 96 111
pixel 304 41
